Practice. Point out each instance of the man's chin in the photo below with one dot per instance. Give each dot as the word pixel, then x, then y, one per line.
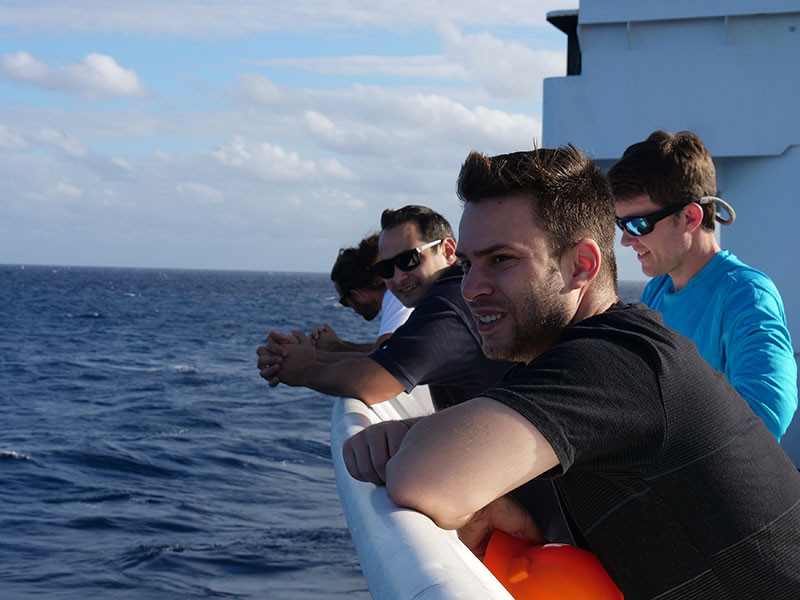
pixel 494 351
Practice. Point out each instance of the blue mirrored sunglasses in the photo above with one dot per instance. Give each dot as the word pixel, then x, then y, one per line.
pixel 405 261
pixel 644 224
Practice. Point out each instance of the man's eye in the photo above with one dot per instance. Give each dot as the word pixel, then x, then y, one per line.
pixel 465 264
pixel 500 258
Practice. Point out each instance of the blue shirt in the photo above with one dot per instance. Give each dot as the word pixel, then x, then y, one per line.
pixel 734 314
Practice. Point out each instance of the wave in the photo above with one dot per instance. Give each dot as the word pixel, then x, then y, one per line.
pixel 13 455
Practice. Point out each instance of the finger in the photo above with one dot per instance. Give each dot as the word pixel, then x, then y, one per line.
pixel 268 360
pixel 270 372
pixel 280 338
pixel 302 338
pixel 276 349
pixel 364 469
pixel 350 460
pixel 394 437
pixel 378 450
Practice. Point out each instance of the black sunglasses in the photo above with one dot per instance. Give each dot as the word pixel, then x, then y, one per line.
pixel 644 224
pixel 405 261
pixel 345 297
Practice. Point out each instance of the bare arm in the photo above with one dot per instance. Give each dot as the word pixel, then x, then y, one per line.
pixel 454 463
pixel 292 361
pixel 325 338
pixel 333 357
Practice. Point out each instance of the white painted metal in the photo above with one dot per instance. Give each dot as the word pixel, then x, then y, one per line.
pixel 403 554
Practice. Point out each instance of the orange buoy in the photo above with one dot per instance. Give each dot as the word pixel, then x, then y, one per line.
pixel 547 571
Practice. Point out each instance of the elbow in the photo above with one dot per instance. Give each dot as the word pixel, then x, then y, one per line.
pixel 408 489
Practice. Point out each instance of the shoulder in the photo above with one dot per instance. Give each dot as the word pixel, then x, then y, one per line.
pixel 745 286
pixel 445 294
pixel 655 287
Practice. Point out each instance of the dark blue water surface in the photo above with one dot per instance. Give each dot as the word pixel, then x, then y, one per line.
pixel 141 456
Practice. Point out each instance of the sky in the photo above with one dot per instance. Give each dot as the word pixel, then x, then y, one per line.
pixel 252 134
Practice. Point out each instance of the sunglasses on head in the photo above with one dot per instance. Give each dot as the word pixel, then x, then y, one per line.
pixel 405 261
pixel 644 224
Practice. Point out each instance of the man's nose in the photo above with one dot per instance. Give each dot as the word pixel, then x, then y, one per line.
pixel 627 239
pixel 473 285
pixel 398 276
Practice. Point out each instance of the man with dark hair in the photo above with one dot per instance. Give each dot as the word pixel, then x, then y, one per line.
pixel 663 470
pixel 438 345
pixel 364 291
pixel 665 189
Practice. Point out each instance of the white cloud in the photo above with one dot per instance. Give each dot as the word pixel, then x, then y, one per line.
pixel 122 163
pixel 322 126
pixel 10 140
pixel 504 69
pixel 239 18
pixel 260 89
pixel 199 191
pixel 430 67
pixel 272 163
pixel 95 76
pixel 63 140
pixel 65 189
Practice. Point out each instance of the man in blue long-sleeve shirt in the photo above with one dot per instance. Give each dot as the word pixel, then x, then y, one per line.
pixel 666 205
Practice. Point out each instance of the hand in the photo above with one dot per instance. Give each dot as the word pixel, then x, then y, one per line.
pixel 505 514
pixel 325 338
pixel 272 355
pixel 367 452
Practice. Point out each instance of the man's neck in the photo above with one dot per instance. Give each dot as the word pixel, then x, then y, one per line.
pixel 593 301
pixel 703 249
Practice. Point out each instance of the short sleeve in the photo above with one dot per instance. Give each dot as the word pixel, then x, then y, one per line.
pixel 597 404
pixel 422 350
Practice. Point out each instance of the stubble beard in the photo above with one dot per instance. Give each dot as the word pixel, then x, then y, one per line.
pixel 540 318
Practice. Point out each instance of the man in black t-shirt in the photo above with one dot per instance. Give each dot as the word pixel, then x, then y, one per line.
pixel 663 469
pixel 438 345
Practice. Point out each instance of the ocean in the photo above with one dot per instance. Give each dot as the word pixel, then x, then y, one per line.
pixel 141 455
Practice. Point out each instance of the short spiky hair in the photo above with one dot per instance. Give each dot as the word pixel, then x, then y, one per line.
pixel 353 267
pixel 570 197
pixel 671 169
pixel 432 226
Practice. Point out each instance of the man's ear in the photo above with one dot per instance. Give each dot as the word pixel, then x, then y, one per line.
pixel 582 264
pixel 694 216
pixel 449 250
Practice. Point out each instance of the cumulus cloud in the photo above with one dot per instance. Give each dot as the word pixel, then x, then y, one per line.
pixel 504 69
pixel 272 163
pixel 95 76
pixel 199 191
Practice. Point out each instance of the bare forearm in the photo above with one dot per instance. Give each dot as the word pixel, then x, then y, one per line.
pixel 359 378
pixel 324 356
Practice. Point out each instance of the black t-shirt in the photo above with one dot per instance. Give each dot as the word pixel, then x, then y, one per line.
pixel 666 473
pixel 439 345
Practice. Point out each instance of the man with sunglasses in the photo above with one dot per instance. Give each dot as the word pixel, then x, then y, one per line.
pixel 362 290
pixel 663 470
pixel 438 346
pixel 666 206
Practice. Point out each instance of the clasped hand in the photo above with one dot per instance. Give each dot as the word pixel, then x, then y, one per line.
pixel 367 452
pixel 285 358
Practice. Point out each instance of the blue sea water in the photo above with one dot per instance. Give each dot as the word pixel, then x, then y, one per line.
pixel 141 456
